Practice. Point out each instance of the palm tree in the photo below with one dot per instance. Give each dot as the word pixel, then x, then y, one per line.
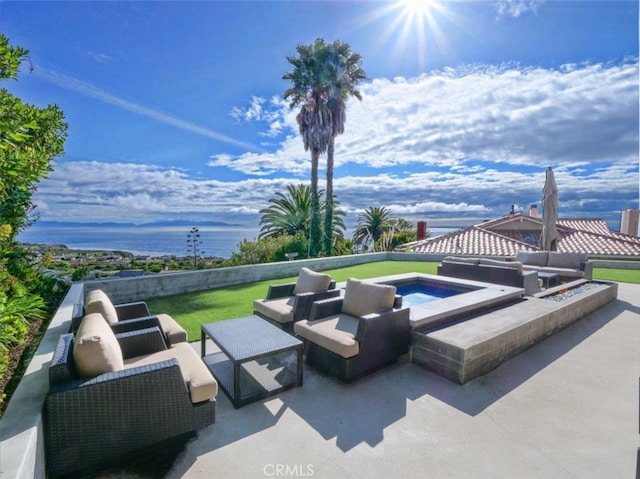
pixel 323 77
pixel 372 224
pixel 291 213
pixel 314 123
pixel 346 75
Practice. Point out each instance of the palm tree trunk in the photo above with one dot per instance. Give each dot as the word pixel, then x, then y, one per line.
pixel 328 218
pixel 315 231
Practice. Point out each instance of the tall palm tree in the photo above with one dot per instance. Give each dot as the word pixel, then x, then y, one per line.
pixel 310 70
pixel 323 77
pixel 291 213
pixel 346 73
pixel 372 224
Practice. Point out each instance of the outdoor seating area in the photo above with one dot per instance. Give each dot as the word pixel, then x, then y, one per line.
pixel 346 342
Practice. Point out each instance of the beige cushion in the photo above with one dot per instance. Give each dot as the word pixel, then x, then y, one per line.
pixel 566 260
pixel 362 298
pixel 280 310
pixel 309 282
pixel 201 383
pixel 98 302
pixel 503 264
pixel 335 333
pixel 96 350
pixel 533 258
pixel 172 329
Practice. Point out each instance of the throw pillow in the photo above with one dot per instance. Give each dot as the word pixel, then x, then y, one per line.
pixel 309 282
pixel 362 298
pixel 96 349
pixel 98 302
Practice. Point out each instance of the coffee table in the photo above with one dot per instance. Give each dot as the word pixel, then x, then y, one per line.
pixel 256 359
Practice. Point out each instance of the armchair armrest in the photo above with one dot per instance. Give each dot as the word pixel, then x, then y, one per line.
pixel 280 290
pixel 587 268
pixel 141 341
pixel 303 302
pixel 127 311
pixel 378 333
pixel 326 307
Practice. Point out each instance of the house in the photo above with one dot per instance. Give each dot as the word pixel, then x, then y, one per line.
pixel 522 232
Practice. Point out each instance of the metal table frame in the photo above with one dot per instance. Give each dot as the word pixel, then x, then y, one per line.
pixel 241 341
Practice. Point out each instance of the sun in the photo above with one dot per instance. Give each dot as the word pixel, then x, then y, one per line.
pixel 417 8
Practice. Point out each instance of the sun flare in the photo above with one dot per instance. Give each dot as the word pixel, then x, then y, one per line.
pixel 417 7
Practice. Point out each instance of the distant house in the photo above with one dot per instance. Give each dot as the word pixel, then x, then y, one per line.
pixel 128 273
pixel 521 232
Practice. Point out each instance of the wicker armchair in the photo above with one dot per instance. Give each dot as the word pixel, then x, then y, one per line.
pixel 288 303
pixel 94 422
pixel 358 334
pixel 127 317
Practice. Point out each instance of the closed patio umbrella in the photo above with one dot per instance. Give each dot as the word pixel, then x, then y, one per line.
pixel 550 234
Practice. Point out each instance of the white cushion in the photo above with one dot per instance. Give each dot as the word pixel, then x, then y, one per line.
pixel 96 350
pixel 309 282
pixel 98 302
pixel 503 264
pixel 362 298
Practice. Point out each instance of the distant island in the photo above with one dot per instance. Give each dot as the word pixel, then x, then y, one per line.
pixel 184 223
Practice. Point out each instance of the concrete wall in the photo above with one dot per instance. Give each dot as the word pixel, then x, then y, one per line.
pixel 124 290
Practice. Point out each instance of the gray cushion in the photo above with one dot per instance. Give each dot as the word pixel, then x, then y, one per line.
pixel 362 298
pixel 280 310
pixel 96 350
pixel 534 258
pixel 202 385
pixel 335 333
pixel 504 264
pixel 459 259
pixel 566 260
pixel 98 302
pixel 309 282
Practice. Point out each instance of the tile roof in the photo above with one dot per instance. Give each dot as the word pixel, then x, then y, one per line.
pixel 497 238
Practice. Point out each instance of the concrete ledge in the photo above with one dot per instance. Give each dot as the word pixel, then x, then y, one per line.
pixel 466 350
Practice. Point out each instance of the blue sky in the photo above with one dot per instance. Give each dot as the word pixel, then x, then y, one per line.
pixel 175 109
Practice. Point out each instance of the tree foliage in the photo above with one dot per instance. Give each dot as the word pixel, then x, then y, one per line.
pixel 323 77
pixel 291 213
pixel 31 137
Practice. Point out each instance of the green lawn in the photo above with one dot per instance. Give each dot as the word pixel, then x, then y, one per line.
pixel 193 309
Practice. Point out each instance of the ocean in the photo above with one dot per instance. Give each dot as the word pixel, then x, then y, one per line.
pixel 220 241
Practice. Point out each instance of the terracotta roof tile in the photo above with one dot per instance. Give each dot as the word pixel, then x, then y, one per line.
pixel 491 238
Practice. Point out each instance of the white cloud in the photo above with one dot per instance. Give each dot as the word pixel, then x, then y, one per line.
pixel 508 114
pixel 516 8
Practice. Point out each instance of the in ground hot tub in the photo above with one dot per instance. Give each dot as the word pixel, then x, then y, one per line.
pixel 437 300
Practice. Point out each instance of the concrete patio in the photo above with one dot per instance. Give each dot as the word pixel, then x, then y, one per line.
pixel 566 408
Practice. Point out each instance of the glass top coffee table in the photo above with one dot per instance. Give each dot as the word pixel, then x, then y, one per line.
pixel 256 359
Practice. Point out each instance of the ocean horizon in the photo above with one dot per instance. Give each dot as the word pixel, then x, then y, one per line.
pixel 218 241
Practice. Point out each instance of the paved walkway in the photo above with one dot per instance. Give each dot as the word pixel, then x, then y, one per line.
pixel 567 408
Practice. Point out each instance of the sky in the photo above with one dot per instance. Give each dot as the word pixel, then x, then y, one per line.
pixel 175 110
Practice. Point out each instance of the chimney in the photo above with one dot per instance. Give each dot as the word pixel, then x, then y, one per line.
pixel 422 230
pixel 533 211
pixel 630 222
